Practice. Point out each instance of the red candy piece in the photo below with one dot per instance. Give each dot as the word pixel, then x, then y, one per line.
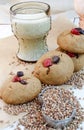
pixel 47 62
pixel 75 31
pixel 71 54
pixel 16 79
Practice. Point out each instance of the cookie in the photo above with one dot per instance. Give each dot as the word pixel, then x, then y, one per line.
pixel 72 41
pixel 54 68
pixel 78 59
pixel 20 88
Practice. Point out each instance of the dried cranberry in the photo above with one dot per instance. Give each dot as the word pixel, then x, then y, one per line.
pixel 71 54
pixel 55 59
pixel 20 73
pixel 16 79
pixel 47 62
pixel 75 31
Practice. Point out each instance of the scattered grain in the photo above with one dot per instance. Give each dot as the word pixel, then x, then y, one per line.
pixel 33 119
pixel 77 79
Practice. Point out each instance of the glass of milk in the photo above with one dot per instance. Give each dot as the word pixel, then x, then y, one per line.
pixel 31 22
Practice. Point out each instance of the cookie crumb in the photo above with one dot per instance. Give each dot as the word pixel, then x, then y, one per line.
pixel 1 121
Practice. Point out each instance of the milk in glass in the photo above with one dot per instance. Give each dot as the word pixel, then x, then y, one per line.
pixel 31 28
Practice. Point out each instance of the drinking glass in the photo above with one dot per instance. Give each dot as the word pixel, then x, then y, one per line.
pixel 31 22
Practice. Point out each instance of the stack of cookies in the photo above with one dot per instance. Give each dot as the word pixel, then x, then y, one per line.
pixel 71 42
pixel 56 67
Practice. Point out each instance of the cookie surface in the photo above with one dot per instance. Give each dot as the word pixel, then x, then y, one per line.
pixel 71 42
pixel 78 59
pixel 57 71
pixel 18 92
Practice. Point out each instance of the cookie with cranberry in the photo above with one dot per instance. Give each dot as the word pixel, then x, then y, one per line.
pixel 20 88
pixel 54 68
pixel 78 59
pixel 72 40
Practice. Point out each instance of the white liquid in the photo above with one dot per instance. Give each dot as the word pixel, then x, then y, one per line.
pixel 29 26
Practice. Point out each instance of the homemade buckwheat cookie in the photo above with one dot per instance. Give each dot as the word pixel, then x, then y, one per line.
pixel 72 40
pixel 20 88
pixel 78 59
pixel 54 68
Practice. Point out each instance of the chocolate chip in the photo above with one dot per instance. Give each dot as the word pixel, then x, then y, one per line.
pixel 55 59
pixel 76 55
pixel 81 31
pixel 23 82
pixel 20 73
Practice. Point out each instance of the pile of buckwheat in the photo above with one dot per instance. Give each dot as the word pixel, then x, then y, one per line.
pixel 58 103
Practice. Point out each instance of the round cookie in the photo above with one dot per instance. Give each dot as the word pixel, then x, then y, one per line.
pixel 20 89
pixel 78 59
pixel 54 68
pixel 71 42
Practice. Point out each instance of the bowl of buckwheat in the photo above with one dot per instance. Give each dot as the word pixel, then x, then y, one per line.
pixel 58 106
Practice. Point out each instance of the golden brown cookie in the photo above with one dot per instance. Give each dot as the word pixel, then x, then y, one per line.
pixel 18 89
pixel 54 68
pixel 78 59
pixel 71 42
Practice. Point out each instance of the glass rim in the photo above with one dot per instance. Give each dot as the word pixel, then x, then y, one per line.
pixel 47 9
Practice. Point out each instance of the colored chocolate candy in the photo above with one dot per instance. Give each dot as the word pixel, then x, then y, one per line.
pixel 20 73
pixel 77 31
pixel 47 62
pixel 55 59
pixel 23 82
pixel 16 79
